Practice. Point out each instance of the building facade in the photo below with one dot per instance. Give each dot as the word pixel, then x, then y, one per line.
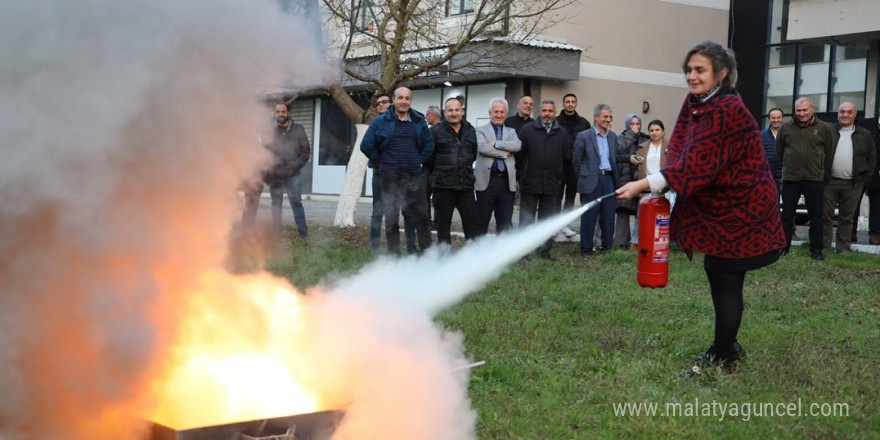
pixel 626 53
pixel 828 51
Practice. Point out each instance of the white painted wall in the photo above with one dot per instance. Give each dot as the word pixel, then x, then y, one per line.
pixel 823 18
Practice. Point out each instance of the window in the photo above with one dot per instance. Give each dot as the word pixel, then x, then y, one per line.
pixel 810 53
pixel 459 7
pixel 828 74
pixel 849 75
pixel 364 17
pixel 777 22
pixel 337 135
pixel 853 53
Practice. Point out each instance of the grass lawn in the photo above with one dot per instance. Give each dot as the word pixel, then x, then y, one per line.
pixel 565 341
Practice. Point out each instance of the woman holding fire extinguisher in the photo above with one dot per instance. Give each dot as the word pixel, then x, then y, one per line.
pixel 726 207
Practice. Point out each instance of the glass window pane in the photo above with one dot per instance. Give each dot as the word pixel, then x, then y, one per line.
pixel 780 78
pixel 776 22
pixel 848 81
pixel 814 75
pixel 454 7
pixel 469 6
pixel 337 135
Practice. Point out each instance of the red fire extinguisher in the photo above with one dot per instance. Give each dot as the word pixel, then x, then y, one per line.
pixel 653 258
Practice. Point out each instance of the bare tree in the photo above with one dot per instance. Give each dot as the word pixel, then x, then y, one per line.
pixel 383 44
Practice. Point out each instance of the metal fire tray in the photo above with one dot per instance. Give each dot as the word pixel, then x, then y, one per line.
pixel 313 426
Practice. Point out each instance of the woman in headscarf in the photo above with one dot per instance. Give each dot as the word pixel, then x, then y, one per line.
pixel 627 163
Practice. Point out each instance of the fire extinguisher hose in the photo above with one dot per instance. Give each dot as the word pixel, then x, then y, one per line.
pixel 596 202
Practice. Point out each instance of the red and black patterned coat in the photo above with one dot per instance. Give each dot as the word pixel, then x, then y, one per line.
pixel 727 204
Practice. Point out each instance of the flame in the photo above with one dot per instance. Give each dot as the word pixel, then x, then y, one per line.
pixel 234 357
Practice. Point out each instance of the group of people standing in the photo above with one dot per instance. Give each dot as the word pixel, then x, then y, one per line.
pixel 728 175
pixel 830 167
pixel 478 170
pixel 728 205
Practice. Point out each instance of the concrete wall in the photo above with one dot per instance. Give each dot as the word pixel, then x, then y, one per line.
pixel 822 18
pixel 633 53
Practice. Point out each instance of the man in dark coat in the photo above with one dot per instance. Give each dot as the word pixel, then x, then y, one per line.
pixel 452 172
pixel 805 146
pixel 851 167
pixel 399 142
pixel 290 148
pixel 594 162
pixel 543 144
pixel 522 117
pixel 768 137
pixel 573 123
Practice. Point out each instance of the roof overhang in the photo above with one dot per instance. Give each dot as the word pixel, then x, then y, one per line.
pixel 533 59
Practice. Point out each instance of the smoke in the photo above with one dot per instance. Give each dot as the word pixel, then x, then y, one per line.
pixel 398 374
pixel 126 128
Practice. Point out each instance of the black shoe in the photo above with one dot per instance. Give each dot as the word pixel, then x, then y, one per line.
pixel 587 255
pixel 739 351
pixel 547 256
pixel 711 358
pixel 817 256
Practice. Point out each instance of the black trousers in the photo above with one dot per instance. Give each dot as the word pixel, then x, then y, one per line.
pixel 403 191
pixel 409 230
pixel 542 206
pixel 814 197
pixel 496 199
pixel 445 202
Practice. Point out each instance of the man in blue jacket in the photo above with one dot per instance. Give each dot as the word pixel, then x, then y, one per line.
pixel 768 137
pixel 399 142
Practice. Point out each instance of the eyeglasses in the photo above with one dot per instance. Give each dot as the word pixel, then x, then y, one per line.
pixel 382 101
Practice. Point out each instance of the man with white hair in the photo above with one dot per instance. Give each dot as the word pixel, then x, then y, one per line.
pixel 594 163
pixel 805 145
pixel 495 170
pixel 851 168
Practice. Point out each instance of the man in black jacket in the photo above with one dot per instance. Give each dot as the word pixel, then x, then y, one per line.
pixel 290 148
pixel 573 123
pixel 543 143
pixel 522 117
pixel 452 172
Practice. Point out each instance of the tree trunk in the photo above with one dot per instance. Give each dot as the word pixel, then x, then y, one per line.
pixel 354 182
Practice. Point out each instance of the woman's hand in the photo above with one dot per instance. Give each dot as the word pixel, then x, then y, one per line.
pixel 632 189
pixel 635 160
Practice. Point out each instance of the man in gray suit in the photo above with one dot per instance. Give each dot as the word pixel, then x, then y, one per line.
pixel 496 169
pixel 594 164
